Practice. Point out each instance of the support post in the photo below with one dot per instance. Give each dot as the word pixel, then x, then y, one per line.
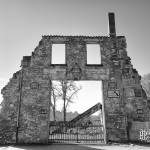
pixel 19 103
pixel 103 113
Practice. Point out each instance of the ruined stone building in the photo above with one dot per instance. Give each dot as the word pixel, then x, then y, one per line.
pixel 26 98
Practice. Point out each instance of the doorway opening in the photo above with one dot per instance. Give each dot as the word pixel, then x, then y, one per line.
pixel 80 118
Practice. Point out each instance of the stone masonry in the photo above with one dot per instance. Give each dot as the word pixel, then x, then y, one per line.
pixel 26 98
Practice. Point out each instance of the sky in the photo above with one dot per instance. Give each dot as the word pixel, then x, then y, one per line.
pixel 23 22
pixel 90 94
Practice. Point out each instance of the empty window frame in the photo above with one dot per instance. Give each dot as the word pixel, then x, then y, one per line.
pixel 58 54
pixel 93 54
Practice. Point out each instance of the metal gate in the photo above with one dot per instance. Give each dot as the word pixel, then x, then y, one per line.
pixel 90 132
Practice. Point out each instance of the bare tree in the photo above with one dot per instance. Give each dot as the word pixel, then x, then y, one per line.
pixel 146 84
pixel 64 90
pixel 55 93
pixel 69 90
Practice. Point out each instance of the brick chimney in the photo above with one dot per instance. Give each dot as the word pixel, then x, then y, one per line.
pixel 112 28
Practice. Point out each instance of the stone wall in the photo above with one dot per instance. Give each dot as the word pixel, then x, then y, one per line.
pixel 9 111
pixel 34 113
pixel 27 96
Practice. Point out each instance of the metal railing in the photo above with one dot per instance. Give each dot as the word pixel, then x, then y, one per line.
pixel 86 132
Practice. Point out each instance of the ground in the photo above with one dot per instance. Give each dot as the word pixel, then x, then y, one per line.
pixel 78 147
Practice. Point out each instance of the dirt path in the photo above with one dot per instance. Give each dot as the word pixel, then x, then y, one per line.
pixel 78 147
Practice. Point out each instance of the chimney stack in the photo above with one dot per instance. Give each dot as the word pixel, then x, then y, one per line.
pixel 112 28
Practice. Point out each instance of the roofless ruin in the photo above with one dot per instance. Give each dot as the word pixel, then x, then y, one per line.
pixel 27 97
